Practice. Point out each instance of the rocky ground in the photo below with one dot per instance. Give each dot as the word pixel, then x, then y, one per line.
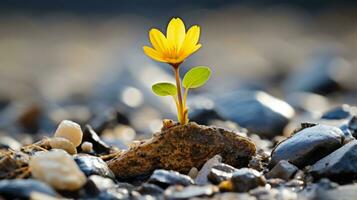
pixel 318 160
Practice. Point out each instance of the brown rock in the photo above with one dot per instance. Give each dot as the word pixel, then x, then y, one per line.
pixel 182 147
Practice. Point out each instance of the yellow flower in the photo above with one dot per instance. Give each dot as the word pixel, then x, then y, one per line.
pixel 176 46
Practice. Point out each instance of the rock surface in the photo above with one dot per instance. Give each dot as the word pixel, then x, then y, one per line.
pixel 308 145
pixel 58 169
pixel 340 165
pixel 182 147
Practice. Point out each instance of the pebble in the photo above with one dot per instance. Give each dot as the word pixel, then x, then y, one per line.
pixel 220 172
pixel 62 143
pixel 22 188
pixel 150 189
pixel 352 126
pixel 58 169
pixel 71 131
pixel 101 182
pixel 99 146
pixel 339 166
pixel 92 165
pixel 308 145
pixel 165 178
pixel 245 179
pixel 180 192
pixel 193 172
pixel 283 170
pixel 202 176
pixel 87 147
pixel 9 142
pixel 257 111
pixel 341 112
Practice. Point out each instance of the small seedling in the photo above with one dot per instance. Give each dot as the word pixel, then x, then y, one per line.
pixel 173 49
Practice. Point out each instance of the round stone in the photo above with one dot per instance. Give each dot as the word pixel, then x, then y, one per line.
pixel 71 131
pixel 58 169
pixel 63 143
pixel 87 147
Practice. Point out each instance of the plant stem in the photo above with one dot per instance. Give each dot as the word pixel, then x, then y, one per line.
pixel 181 118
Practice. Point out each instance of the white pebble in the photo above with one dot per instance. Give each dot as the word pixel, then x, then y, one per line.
pixel 63 143
pixel 71 131
pixel 58 169
pixel 87 147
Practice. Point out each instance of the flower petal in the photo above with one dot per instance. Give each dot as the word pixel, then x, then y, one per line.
pixel 188 52
pixel 152 53
pixel 158 40
pixel 191 39
pixel 176 33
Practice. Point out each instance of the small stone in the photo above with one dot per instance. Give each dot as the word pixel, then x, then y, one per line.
pixel 221 172
pixel 22 188
pixel 166 178
pixel 87 147
pixel 41 196
pixel 202 175
pixel 283 170
pixel 352 126
pixel 182 147
pixel 62 143
pixel 193 172
pixel 308 145
pixel 101 182
pixel 71 131
pixel 180 192
pixel 150 189
pixel 245 179
pixel 99 146
pixel 9 142
pixel 273 193
pixel 58 169
pixel 341 112
pixel 232 196
pixel 92 165
pixel 339 166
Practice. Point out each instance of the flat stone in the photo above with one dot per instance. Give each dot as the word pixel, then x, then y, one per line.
pixel 165 178
pixel 339 166
pixel 202 176
pixel 308 145
pixel 341 112
pixel 180 192
pixel 62 143
pixel 182 147
pixel 22 189
pixel 58 169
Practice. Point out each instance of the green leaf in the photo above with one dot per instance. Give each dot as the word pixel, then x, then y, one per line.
pixel 196 77
pixel 164 89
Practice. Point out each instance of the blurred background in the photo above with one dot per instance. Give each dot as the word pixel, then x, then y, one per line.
pixel 83 60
